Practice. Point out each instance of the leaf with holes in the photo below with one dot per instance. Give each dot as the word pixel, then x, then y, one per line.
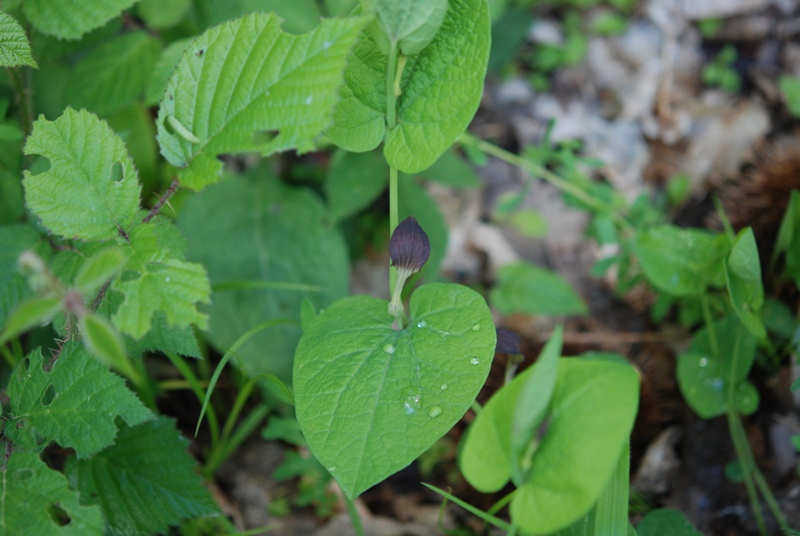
pixel 246 86
pixel 91 190
pixel 74 404
pixel 370 398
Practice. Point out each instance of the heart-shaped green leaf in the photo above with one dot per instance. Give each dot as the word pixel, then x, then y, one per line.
pixel 370 398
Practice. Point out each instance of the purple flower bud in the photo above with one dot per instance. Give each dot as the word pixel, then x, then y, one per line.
pixel 508 342
pixel 409 247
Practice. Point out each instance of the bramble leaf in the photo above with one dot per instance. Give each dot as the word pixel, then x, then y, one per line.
pixel 91 190
pixel 246 86
pixel 370 398
pixel 103 342
pixel 28 494
pixel 98 269
pixel 74 404
pixel 15 49
pixel 276 233
pixel 29 314
pixel 145 482
pixel 524 288
pixel 114 74
pixel 52 17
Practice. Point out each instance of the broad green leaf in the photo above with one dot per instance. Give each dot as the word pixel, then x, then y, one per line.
pixel 441 88
pixel 591 417
pixel 53 18
pixel 275 233
pixel 98 269
pixel 91 190
pixel 158 78
pixel 525 288
pixel 74 404
pixel 531 406
pixel 370 398
pixel 743 278
pixel 105 343
pixel 246 86
pixel 29 314
pixel 682 262
pixel 145 482
pixel 28 494
pixel 413 23
pixel 113 75
pixel 415 201
pixel 135 126
pixel 665 521
pixel 12 206
pixel 15 49
pixel 161 14
pixel 14 239
pixel 299 16
pixel 354 181
pixel 451 170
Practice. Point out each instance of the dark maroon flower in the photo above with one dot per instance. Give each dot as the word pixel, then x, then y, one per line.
pixel 508 342
pixel 409 247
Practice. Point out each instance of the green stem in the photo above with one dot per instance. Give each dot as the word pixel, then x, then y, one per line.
pixel 742 450
pixel 496 507
pixel 394 220
pixel 355 519
pixel 391 98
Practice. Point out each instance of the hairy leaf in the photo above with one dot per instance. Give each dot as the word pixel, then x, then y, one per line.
pixel 29 314
pixel 15 49
pixel 274 234
pixel 74 403
pixel 370 398
pixel 91 190
pixel 146 481
pixel 53 17
pixel 98 269
pixel 524 288
pixel 246 86
pixel 114 74
pixel 105 343
pixel 29 493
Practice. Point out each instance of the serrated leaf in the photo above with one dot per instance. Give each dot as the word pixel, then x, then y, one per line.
pixel 441 88
pixel 98 269
pixel 15 49
pixel 246 86
pixel 524 288
pixel 370 399
pixel 354 181
pixel 163 69
pixel 114 74
pixel 81 195
pixel 29 491
pixel 681 262
pixel 413 23
pixel 276 233
pixel 29 314
pixel 103 341
pixel 74 404
pixel 50 16
pixel 14 239
pixel 145 482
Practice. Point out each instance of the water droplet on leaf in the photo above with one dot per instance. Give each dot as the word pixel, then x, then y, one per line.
pixel 412 403
pixel 422 324
pixel 389 349
pixel 444 387
pixel 435 412
pixel 476 327
pixel 703 361
pixel 474 361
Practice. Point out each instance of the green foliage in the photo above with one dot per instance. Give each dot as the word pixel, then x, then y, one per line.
pixel 524 288
pixel 666 521
pixel 721 73
pixel 50 17
pixel 411 25
pixel 371 398
pixel 790 87
pixel 15 49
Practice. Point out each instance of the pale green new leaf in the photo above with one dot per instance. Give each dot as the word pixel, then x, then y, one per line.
pixel 246 86
pixel 15 49
pixel 28 492
pixel 370 398
pixel 91 190
pixel 103 341
pixel 145 482
pixel 54 17
pixel 413 23
pixel 74 404
pixel 98 269
pixel 29 314
pixel 114 74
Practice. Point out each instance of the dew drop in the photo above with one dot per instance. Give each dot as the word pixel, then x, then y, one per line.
pixel 389 349
pixel 309 99
pixel 412 403
pixel 444 334
pixel 444 387
pixel 434 412
pixel 476 327
pixel 166 279
pixel 422 324
pixel 474 361
pixel 703 362
pixel 326 45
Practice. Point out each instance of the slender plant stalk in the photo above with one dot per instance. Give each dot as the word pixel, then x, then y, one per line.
pixel 355 519
pixel 391 73
pixel 23 97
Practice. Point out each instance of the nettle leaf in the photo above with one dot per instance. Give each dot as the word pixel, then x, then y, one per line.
pixel 146 481
pixel 413 23
pixel 275 234
pixel 30 493
pixel 114 74
pixel 441 89
pixel 682 262
pixel 590 418
pixel 52 17
pixel 525 288
pixel 91 190
pixel 370 399
pixel 14 239
pixel 15 49
pixel 74 404
pixel 246 86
